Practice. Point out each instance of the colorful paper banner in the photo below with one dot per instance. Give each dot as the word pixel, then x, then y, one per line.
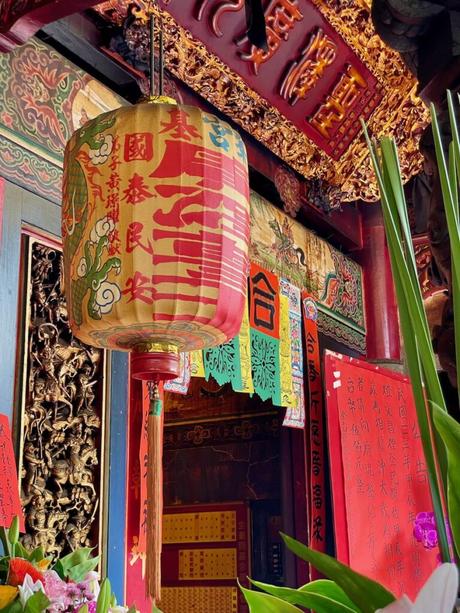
pixel 244 348
pixel 316 502
pixel 264 317
pixel 286 397
pixel 181 384
pixel 231 362
pixel 295 413
pixel 196 364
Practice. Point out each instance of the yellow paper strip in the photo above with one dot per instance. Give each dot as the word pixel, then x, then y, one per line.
pixel 244 341
pixel 196 364
pixel 287 396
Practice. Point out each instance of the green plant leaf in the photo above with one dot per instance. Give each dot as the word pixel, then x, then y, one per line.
pixel 103 600
pixel 37 603
pixel 37 555
pixel 77 564
pixel 420 357
pixel 59 568
pixel 265 603
pixel 13 607
pixel 78 572
pixel 13 531
pixel 83 609
pixel 366 594
pixel 449 430
pixel 76 557
pixel 322 596
pixel 21 552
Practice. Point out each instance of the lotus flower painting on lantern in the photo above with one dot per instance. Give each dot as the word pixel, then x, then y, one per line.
pixel 155 227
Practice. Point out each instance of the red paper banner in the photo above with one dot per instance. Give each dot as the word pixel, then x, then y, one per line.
pixel 378 473
pixel 316 502
pixel 143 464
pixel 136 498
pixel 10 503
pixel 136 528
pixel 264 301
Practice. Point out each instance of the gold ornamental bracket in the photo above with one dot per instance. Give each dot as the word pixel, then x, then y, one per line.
pixel 400 112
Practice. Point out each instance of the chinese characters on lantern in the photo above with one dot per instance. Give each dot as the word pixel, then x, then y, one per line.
pixel 385 481
pixel 209 242
pixel 138 146
pixel 113 197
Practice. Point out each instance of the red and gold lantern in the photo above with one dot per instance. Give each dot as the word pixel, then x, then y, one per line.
pixel 155 224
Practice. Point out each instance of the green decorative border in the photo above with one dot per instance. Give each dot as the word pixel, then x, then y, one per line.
pixel 30 171
pixel 39 107
pixel 339 331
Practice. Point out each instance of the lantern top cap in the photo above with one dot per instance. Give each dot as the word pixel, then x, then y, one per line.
pixel 161 100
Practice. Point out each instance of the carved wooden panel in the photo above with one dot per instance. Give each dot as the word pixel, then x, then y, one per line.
pixel 61 429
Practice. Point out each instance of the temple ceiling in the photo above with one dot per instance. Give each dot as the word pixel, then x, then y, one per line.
pixel 303 98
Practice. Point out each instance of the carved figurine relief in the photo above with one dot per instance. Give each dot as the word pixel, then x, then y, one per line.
pixel 62 420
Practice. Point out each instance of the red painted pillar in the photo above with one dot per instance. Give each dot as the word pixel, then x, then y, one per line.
pixel 383 339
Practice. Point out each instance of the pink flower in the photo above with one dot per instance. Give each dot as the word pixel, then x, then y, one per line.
pixel 57 591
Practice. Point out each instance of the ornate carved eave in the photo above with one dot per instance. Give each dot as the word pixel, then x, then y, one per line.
pixel 400 112
pixel 20 19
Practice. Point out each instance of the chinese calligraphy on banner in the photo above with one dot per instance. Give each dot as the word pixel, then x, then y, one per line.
pixel 378 473
pixel 316 503
pixel 295 414
pixel 205 549
pixel 10 504
pixel 264 318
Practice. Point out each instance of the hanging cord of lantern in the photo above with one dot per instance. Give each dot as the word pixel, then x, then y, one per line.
pixel 154 95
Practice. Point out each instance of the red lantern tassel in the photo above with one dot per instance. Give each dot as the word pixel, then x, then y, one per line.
pixel 155 494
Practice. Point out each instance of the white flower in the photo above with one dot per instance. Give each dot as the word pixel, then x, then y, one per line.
pixel 92 581
pixel 99 156
pixel 118 609
pixel 106 296
pixel 82 268
pixel 28 589
pixel 438 595
pixel 102 227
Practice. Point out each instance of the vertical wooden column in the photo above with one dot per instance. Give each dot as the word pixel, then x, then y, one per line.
pixel 118 482
pixel 383 339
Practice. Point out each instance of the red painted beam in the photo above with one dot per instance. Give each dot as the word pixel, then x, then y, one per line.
pixel 16 27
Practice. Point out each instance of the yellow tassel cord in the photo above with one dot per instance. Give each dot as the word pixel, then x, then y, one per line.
pixel 155 494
